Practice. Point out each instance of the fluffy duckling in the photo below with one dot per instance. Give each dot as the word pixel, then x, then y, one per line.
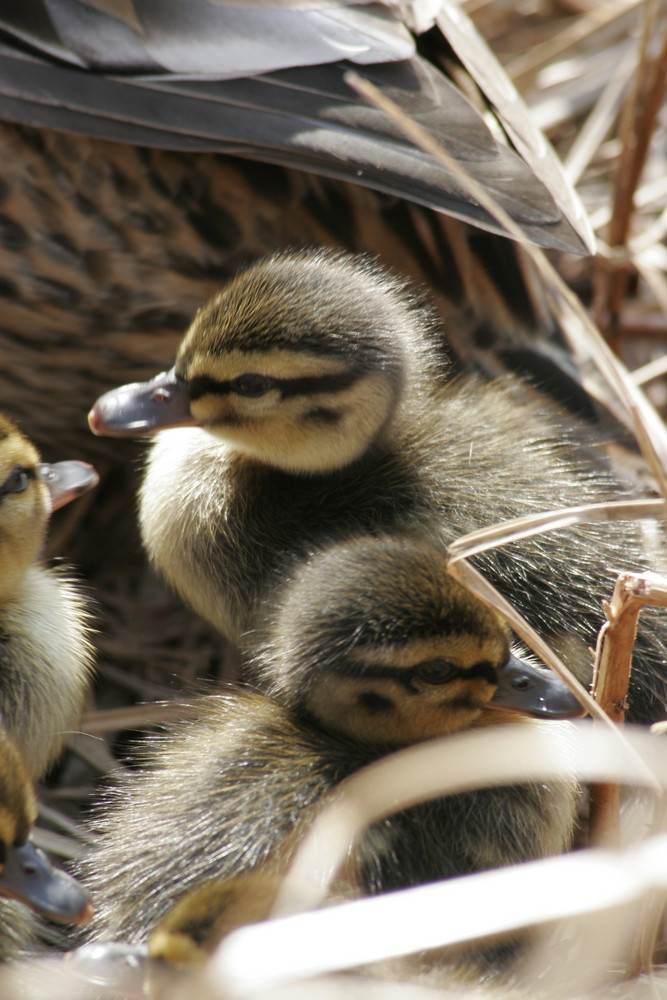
pixel 371 647
pixel 309 408
pixel 26 875
pixel 45 654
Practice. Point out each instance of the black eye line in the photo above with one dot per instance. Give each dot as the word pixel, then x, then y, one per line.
pixel 483 669
pixel 307 385
pixel 29 471
pixel 407 675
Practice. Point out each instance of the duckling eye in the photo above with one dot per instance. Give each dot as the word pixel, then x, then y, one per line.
pixel 17 481
pixel 252 385
pixel 436 671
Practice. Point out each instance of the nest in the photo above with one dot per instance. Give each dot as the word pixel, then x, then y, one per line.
pixel 108 250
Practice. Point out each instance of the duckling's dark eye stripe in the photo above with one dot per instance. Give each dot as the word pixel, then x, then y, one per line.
pixel 484 670
pixel 406 675
pixel 203 385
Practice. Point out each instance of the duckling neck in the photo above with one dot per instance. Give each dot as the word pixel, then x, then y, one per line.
pixel 17 556
pixel 238 521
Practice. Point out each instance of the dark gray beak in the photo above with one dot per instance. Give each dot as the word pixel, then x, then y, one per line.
pixel 67 480
pixel 29 876
pixel 142 407
pixel 534 691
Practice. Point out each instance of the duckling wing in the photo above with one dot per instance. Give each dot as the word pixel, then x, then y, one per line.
pixel 266 83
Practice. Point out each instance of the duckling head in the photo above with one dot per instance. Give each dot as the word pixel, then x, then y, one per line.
pixel 26 874
pixel 374 640
pixel 299 362
pixel 29 491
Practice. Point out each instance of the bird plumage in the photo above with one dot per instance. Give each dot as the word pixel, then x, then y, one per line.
pixel 45 650
pixel 338 419
pixel 378 624
pixel 111 238
pixel 269 83
pixel 150 233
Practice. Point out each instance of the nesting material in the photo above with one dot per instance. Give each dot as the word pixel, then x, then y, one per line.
pixel 107 252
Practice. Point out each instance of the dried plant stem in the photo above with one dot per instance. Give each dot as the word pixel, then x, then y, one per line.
pixel 610 689
pixel 447 766
pixel 574 319
pixel 642 953
pixel 651 370
pixel 142 716
pixel 604 820
pixel 637 129
pixel 613 664
pixel 523 69
pixel 615 643
pixel 528 525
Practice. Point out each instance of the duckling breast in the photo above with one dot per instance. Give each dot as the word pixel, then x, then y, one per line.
pixel 45 664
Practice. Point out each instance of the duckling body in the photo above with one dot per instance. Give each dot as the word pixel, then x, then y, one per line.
pixel 237 790
pixel 45 652
pixel 316 383
pixel 371 647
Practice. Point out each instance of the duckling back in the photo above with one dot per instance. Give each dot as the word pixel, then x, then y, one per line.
pixel 234 788
pixel 238 789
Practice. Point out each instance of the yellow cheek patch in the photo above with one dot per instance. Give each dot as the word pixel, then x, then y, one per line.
pixel 473 689
pixel 212 409
pixel 379 710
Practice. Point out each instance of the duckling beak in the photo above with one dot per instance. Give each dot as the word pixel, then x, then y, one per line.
pixel 534 691
pixel 67 480
pixel 142 407
pixel 29 876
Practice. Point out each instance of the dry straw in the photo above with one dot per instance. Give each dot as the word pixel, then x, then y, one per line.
pixel 607 894
pixel 377 929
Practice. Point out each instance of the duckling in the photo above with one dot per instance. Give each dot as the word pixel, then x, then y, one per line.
pixel 26 875
pixel 371 646
pixel 45 652
pixel 306 406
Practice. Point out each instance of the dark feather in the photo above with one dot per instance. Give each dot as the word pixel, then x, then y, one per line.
pixel 164 82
